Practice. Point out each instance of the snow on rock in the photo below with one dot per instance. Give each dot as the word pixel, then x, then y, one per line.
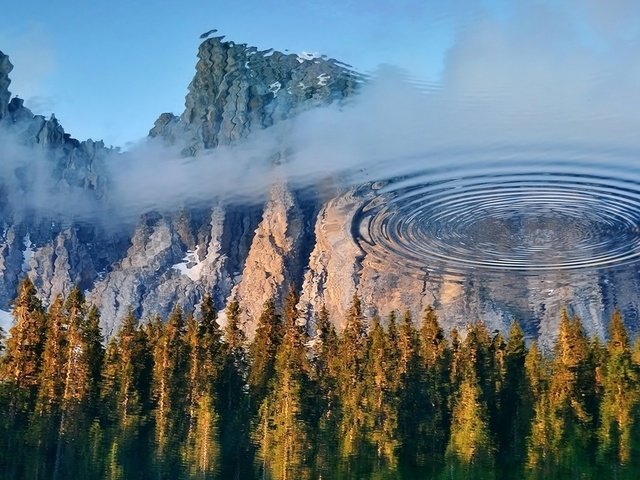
pixel 27 254
pixel 323 79
pixel 6 320
pixel 303 56
pixel 190 266
pixel 275 87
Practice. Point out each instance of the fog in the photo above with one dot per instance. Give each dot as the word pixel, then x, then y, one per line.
pixel 539 79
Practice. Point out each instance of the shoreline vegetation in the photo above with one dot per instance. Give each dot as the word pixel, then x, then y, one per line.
pixel 393 398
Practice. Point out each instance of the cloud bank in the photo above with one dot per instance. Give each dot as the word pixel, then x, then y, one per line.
pixel 540 76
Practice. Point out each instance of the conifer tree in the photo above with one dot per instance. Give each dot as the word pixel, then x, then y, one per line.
pixel 325 366
pixel 325 354
pixel 23 356
pixel 54 358
pixel 169 387
pixel 124 386
pixel 515 401
pixel 283 430
pixel 434 415
pixel 262 352
pixel 563 423
pixel 124 396
pixel 620 383
pixel 204 340
pixel 543 430
pixel 470 449
pixel 80 370
pixel 382 379
pixel 351 387
pixel 233 399
pixel 411 413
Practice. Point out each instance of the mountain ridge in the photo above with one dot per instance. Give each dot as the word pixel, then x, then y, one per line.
pixel 252 252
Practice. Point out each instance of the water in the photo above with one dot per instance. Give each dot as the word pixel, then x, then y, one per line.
pixel 518 213
pixel 538 228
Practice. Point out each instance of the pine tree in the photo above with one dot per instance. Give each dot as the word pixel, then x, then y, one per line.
pixel 125 386
pixel 283 430
pixel 620 396
pixel 233 399
pixel 543 431
pixel 470 449
pixel 168 389
pixel 561 438
pixel 262 352
pixel 53 359
pixel 351 358
pixel 76 369
pixel 93 357
pixel 382 380
pixel 80 370
pixel 411 408
pixel 23 356
pixel 325 367
pixel 204 340
pixel 437 365
pixel 516 408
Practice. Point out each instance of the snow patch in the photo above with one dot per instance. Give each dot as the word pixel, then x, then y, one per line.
pixel 27 254
pixel 323 78
pixel 304 56
pixel 6 320
pixel 275 87
pixel 190 265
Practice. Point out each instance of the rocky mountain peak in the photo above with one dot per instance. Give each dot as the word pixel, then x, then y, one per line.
pixel 5 94
pixel 238 89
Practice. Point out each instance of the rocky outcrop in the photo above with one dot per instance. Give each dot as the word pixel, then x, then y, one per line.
pixel 238 89
pixel 250 252
pixel 274 257
pixel 5 94
pixel 37 239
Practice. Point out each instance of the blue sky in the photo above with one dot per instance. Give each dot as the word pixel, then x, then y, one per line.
pixel 109 68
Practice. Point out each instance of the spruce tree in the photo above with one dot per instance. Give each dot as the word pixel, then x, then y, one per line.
pixel 351 386
pixel 620 396
pixel 470 449
pixel 262 352
pixel 325 367
pixel 25 346
pixel 169 387
pixel 439 374
pixel 283 428
pixel 233 399
pixel 204 341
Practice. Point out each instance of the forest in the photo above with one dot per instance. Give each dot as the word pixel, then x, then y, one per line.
pixel 393 398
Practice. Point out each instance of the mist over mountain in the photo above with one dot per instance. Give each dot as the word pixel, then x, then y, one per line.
pixel 260 182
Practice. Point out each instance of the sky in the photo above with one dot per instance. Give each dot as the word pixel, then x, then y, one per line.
pixel 109 68
pixel 500 73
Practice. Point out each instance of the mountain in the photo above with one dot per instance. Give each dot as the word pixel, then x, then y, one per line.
pixel 251 251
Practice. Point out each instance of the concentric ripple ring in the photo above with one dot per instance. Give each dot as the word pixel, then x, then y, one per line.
pixel 507 216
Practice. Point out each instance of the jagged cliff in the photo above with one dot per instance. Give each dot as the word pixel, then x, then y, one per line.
pixel 254 251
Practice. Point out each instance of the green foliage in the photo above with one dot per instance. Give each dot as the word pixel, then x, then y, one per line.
pixel 262 352
pixel 183 397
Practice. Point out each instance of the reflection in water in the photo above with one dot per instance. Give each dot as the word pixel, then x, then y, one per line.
pixel 524 230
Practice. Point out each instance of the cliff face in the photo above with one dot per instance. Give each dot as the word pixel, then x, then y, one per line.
pixel 251 252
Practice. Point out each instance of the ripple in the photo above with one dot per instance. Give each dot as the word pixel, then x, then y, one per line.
pixel 519 211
